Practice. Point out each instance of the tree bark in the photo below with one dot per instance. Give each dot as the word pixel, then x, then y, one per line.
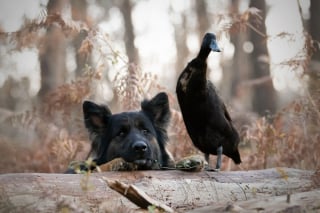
pixel 237 69
pixel 52 55
pixel 314 67
pixel 203 19
pixel 132 52
pixel 180 190
pixel 180 35
pixel 314 27
pixel 79 13
pixel 264 95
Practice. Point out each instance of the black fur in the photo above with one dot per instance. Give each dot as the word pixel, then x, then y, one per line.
pixel 139 137
pixel 205 115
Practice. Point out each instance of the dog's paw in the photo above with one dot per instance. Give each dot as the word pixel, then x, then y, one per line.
pixel 80 167
pixel 117 164
pixel 192 163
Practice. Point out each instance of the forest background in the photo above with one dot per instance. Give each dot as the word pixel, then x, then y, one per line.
pixel 57 53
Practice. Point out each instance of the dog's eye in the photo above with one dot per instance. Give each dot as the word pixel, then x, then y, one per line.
pixel 121 133
pixel 145 131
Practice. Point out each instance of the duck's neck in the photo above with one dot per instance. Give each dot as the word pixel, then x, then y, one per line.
pixel 204 53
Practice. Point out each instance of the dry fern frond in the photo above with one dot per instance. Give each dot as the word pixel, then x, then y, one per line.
pixel 30 34
pixel 42 16
pixel 252 13
pixel 131 86
pixel 65 148
pixel 291 139
pixel 250 18
pixel 85 48
pixel 67 95
pixel 25 119
pixel 286 35
pixel 67 25
pixel 295 63
pixel 302 58
pixel 101 42
pixel 128 88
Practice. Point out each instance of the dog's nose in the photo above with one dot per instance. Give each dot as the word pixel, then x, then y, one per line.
pixel 139 146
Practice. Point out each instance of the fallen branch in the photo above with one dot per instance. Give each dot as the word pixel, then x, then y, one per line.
pixel 137 196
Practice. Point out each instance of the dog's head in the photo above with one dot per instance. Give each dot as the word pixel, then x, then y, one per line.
pixel 138 137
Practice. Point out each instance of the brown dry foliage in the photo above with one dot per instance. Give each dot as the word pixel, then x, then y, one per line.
pixel 240 22
pixel 51 135
pixel 291 139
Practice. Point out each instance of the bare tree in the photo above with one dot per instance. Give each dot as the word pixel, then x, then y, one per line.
pixel 203 19
pixel 314 26
pixel 53 52
pixel 79 13
pixel 314 83
pixel 264 95
pixel 126 8
pixel 238 69
pixel 180 35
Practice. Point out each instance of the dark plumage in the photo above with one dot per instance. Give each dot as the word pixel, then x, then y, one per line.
pixel 206 118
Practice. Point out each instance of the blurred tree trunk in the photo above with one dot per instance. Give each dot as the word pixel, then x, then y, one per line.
pixel 132 52
pixel 14 94
pixel 264 95
pixel 314 26
pixel 180 35
pixel 314 29
pixel 237 69
pixel 53 53
pixel 79 13
pixel 203 19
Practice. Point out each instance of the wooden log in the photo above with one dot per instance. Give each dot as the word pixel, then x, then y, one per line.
pixel 30 192
pixel 298 202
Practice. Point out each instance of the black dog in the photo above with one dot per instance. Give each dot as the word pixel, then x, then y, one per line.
pixel 137 137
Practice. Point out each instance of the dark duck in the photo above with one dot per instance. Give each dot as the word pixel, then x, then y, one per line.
pixel 207 120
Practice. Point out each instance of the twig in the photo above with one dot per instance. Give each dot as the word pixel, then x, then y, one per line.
pixel 135 195
pixel 256 30
pixel 256 81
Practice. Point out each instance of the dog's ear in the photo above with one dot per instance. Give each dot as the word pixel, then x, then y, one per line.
pixel 95 116
pixel 158 110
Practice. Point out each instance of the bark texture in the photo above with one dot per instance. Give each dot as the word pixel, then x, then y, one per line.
pixel 182 191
